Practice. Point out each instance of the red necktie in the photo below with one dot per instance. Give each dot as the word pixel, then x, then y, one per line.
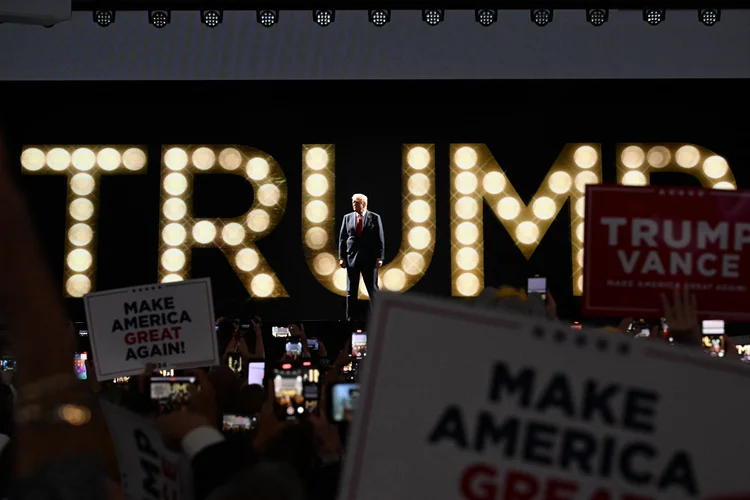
pixel 359 225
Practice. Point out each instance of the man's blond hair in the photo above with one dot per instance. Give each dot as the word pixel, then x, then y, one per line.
pixel 360 196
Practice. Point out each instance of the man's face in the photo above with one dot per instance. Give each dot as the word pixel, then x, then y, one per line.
pixel 358 205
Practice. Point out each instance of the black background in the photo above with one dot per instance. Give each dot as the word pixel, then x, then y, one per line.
pixel 525 125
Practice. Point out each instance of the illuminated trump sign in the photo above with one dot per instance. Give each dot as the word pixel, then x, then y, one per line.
pixel 475 177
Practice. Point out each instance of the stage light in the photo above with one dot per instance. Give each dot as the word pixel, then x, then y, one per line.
pixel 433 17
pixel 526 224
pixel 379 17
pixel 212 17
pixel 104 17
pixel 597 17
pixel 235 236
pixel 268 17
pixel 636 161
pixel 159 18
pixel 324 17
pixel 320 227
pixel 709 17
pixel 653 16
pixel 541 17
pixel 486 17
pixel 84 167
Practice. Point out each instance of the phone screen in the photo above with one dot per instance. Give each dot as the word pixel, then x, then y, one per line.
pixel 234 360
pixel 280 331
pixel 171 393
pixel 294 346
pixel 9 364
pixel 83 333
pixel 744 352
pixel 79 363
pixel 344 398
pixel 237 424
pixel 538 286
pixel 312 344
pixel 359 344
pixel 310 380
pixel 713 337
pixel 288 387
pixel 255 372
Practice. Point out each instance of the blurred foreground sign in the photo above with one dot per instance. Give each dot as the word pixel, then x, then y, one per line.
pixel 641 242
pixel 459 402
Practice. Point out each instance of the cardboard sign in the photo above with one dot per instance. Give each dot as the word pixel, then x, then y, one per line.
pixel 516 409
pixel 641 242
pixel 170 325
pixel 148 470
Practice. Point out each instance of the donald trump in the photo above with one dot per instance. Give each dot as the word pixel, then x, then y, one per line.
pixel 361 250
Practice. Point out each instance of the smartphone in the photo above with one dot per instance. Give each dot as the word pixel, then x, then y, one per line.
pixel 342 401
pixel 294 346
pixel 713 337
pixel 576 326
pixel 310 381
pixel 289 392
pixel 238 424
pixel 359 344
pixel 255 372
pixel 744 351
pixel 171 393
pixel 121 380
pixel 83 333
pixel 79 363
pixel 235 362
pixel 639 328
pixel 280 331
pixel 9 364
pixel 312 344
pixel 537 286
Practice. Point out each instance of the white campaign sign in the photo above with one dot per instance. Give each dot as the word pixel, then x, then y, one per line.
pixel 512 408
pixel 170 325
pixel 148 470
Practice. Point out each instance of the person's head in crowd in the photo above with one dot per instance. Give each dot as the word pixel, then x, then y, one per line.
pixel 295 445
pixel 226 387
pixel 225 329
pixel 250 400
pixel 264 481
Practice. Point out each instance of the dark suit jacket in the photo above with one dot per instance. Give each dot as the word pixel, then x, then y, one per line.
pixel 361 252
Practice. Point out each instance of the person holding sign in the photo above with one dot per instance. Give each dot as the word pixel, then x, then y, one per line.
pixel 361 251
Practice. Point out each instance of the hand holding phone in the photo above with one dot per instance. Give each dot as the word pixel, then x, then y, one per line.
pixel 235 362
pixel 238 424
pixel 294 346
pixel 359 344
pixel 171 393
pixel 288 390
pixel 79 364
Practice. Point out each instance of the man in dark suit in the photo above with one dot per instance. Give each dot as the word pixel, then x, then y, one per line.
pixel 361 250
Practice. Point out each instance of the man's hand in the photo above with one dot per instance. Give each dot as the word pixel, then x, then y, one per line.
pixel 378 262
pixel 342 263
pixel 682 317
